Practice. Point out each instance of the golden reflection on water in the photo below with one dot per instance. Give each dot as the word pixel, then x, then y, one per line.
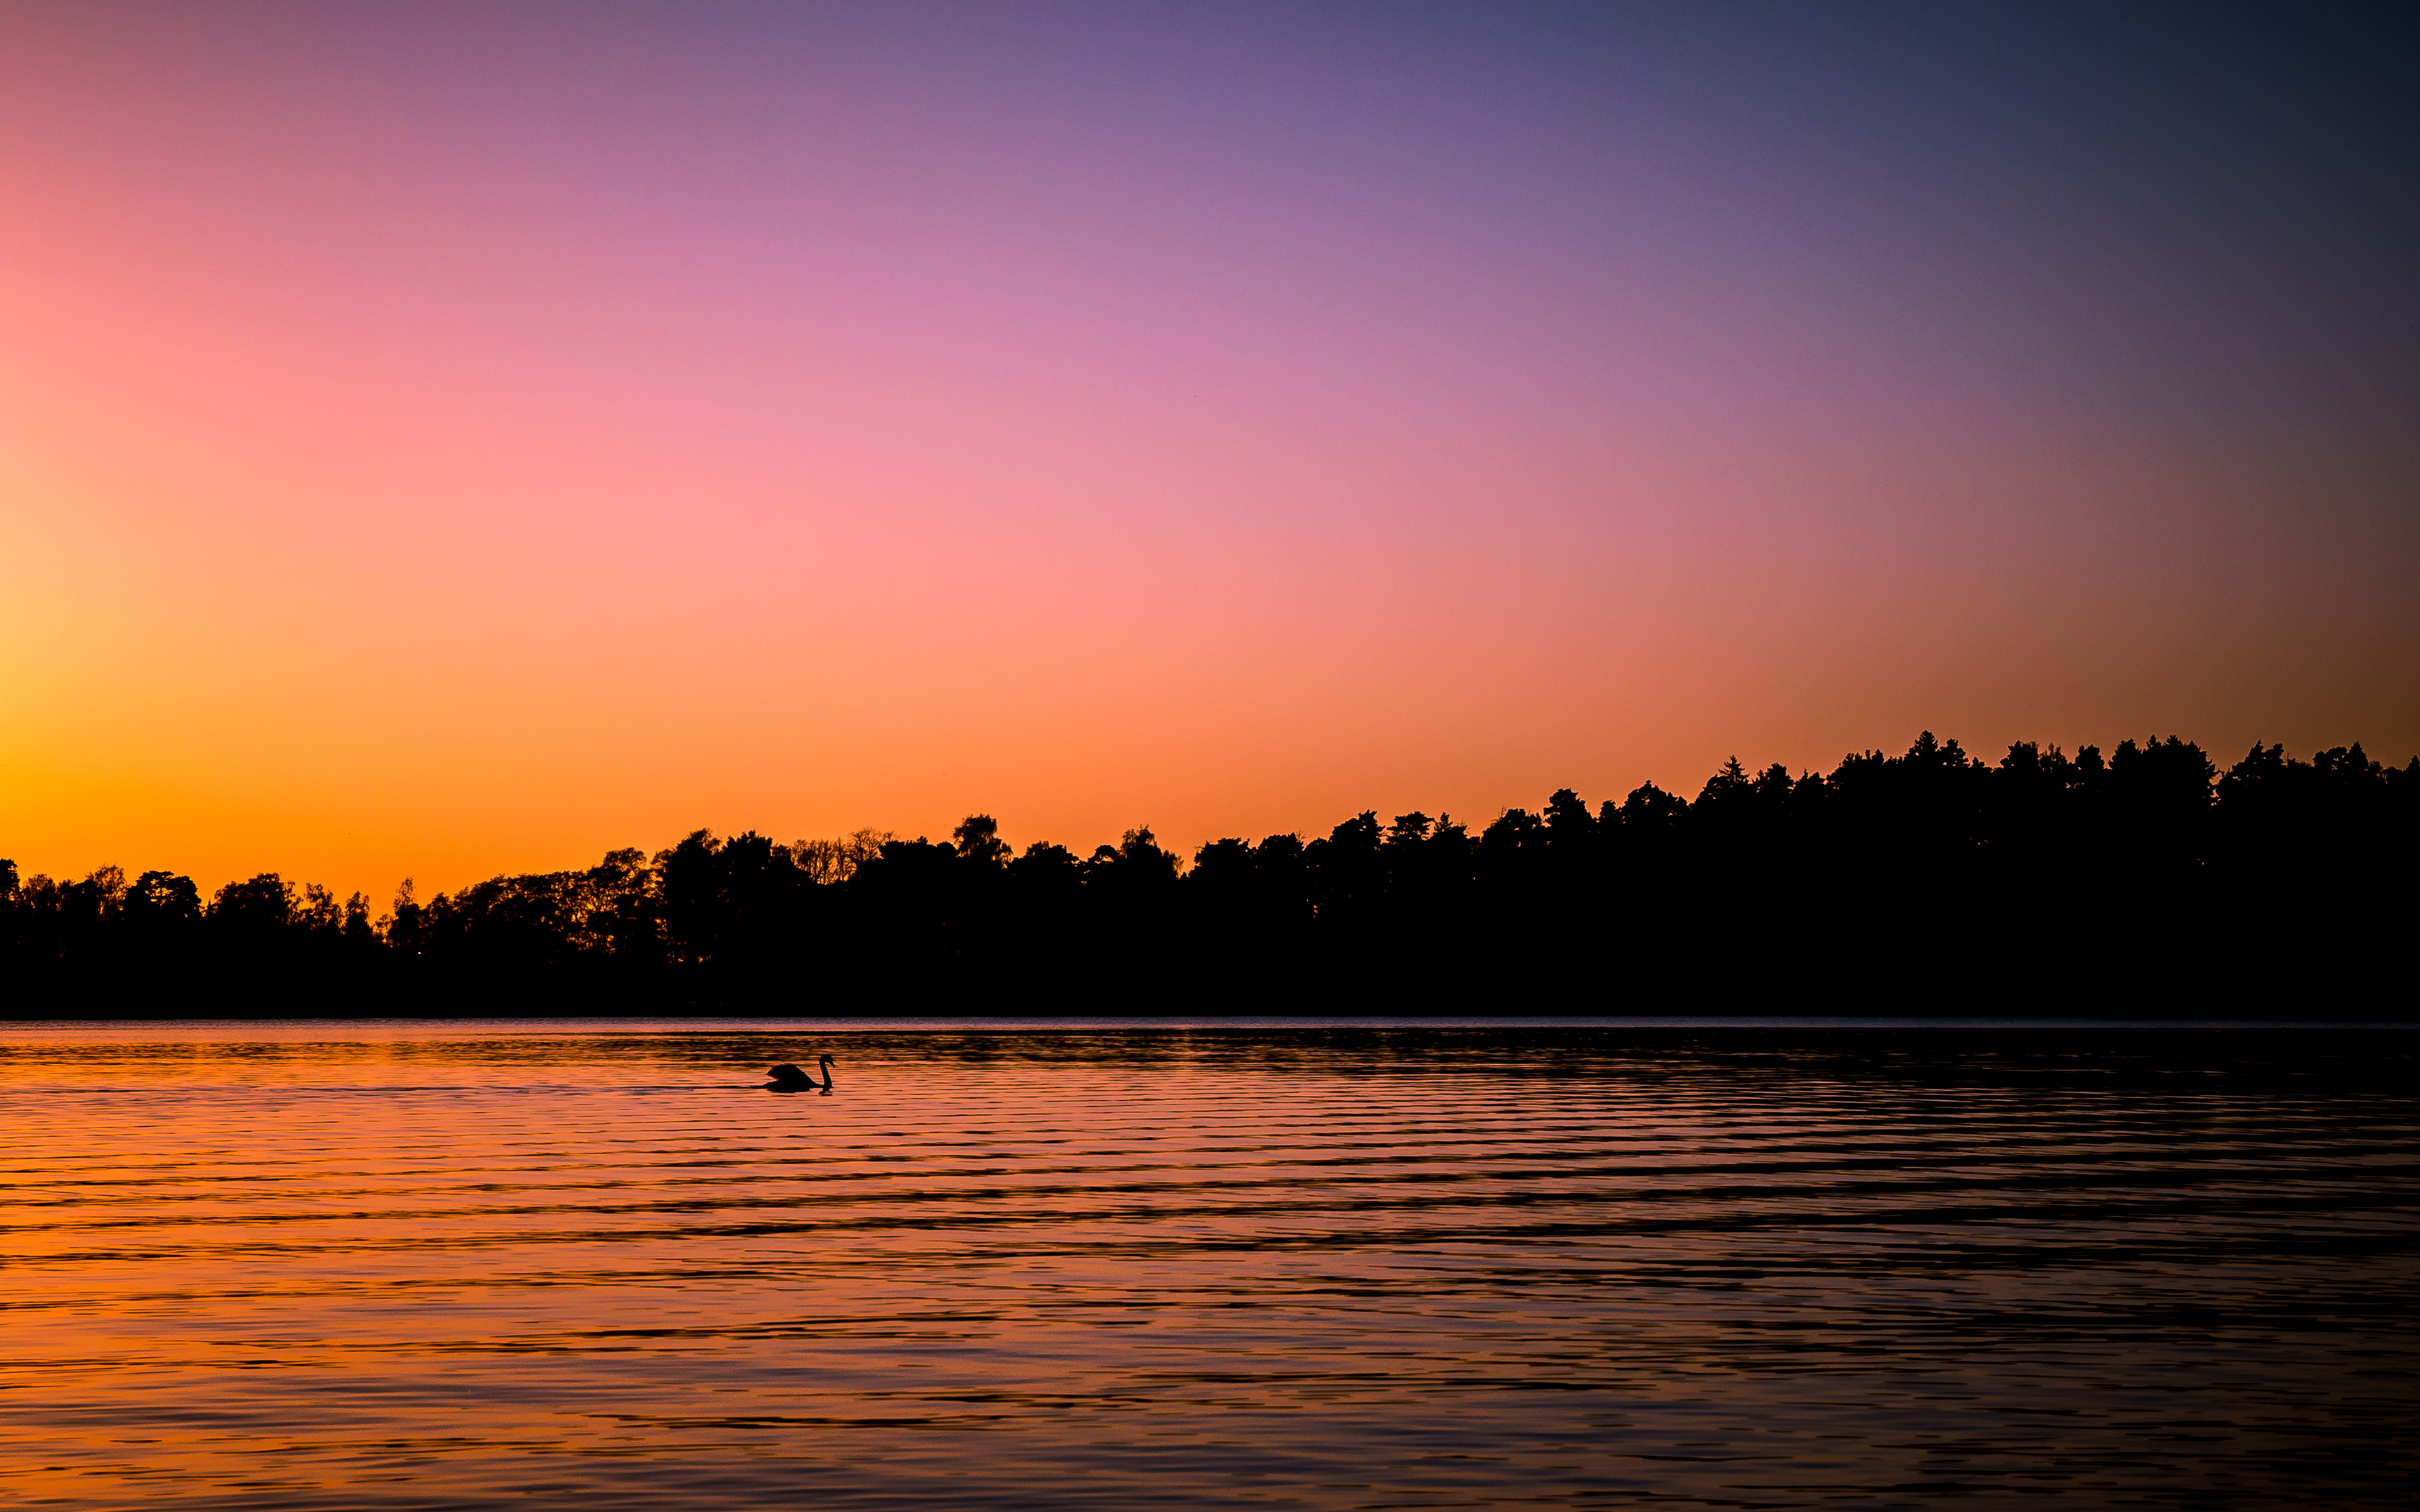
pixel 389 1265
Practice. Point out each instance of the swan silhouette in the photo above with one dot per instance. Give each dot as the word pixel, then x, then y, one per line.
pixel 789 1078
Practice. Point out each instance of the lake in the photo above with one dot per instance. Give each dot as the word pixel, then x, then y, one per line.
pixel 1677 1264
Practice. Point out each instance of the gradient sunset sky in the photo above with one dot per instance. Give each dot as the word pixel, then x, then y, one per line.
pixel 440 440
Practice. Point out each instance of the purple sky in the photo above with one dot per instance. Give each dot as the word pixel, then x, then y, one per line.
pixel 440 440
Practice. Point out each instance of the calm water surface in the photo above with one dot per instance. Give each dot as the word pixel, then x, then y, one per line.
pixel 417 1265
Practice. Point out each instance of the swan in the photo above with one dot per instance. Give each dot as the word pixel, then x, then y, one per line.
pixel 789 1078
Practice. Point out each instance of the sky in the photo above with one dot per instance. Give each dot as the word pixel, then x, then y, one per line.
pixel 446 439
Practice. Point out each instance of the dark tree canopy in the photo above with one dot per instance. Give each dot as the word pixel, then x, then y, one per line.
pixel 1929 882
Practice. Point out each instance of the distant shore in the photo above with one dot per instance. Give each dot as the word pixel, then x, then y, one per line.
pixel 2145 884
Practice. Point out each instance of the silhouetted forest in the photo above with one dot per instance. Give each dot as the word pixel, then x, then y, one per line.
pixel 1929 882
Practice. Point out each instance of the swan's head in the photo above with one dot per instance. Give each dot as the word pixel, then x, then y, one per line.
pixel 825 1061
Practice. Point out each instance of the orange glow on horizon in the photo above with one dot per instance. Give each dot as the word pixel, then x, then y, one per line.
pixel 408 467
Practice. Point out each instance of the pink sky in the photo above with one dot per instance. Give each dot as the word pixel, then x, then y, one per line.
pixel 437 444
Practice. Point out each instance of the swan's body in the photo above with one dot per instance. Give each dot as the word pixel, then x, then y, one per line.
pixel 788 1078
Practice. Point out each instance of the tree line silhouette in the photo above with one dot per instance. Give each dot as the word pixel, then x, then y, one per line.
pixel 1926 883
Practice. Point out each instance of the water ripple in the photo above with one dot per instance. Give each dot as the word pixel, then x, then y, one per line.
pixel 452 1266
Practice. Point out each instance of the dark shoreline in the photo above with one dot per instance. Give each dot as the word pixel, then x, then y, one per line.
pixel 1239 1022
pixel 1928 884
